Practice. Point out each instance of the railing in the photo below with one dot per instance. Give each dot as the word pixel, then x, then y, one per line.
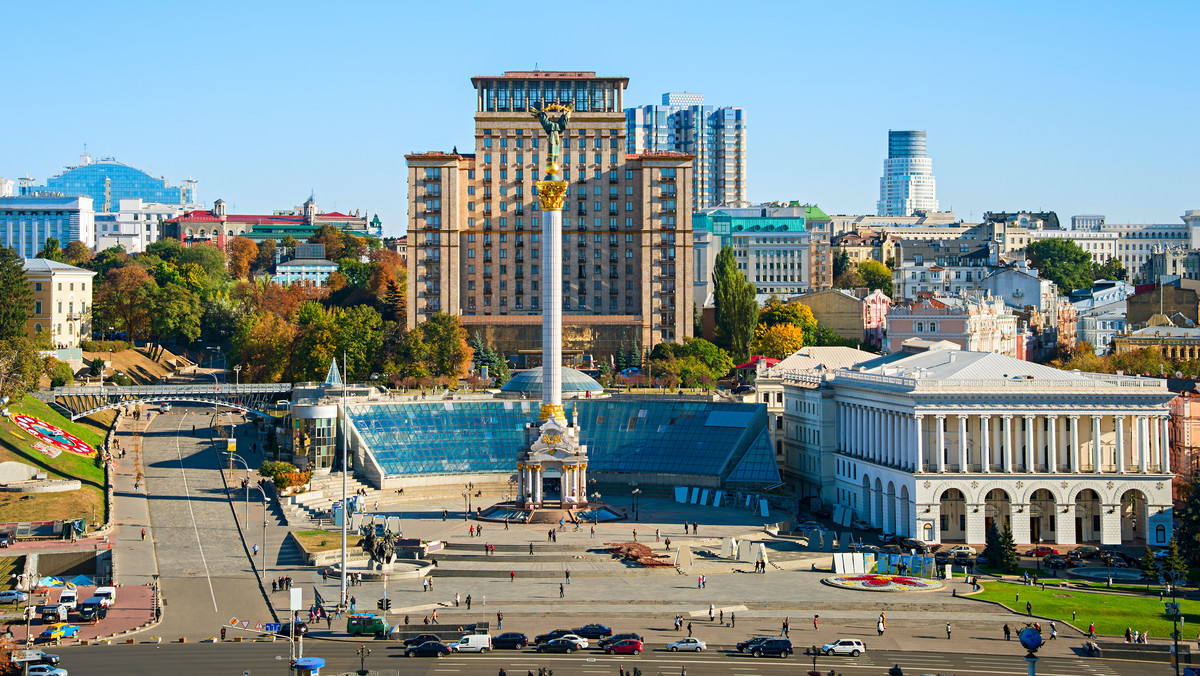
pixel 157 390
pixel 1089 381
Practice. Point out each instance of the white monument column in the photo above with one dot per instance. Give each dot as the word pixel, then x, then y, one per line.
pixel 1143 444
pixel 1074 443
pixel 962 444
pixel 1029 466
pixel 918 456
pixel 941 443
pixel 1052 457
pixel 1097 459
pixel 520 496
pixel 1006 432
pixel 1166 445
pixel 985 433
pixel 1120 443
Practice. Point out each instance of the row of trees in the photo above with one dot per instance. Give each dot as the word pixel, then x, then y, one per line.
pixel 870 274
pixel 1149 361
pixel 1068 265
pixel 22 364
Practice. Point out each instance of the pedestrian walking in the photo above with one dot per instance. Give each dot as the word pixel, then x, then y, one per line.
pixel 424 584
pixel 656 535
pixel 712 612
pixel 468 601
pixel 1053 631
pixel 879 626
pixel 635 535
pixel 455 599
pixel 531 549
pixel 816 621
pixel 325 575
pixel 1092 631
pixel 561 592
pixel 431 584
pixel 499 617
pixel 143 533
pixel 699 581
pixel 568 577
pixel 593 531
pixel 784 630
pixel 505 528
pixel 689 628
pixel 1029 608
pixel 435 621
pixel 471 530
pixel 947 631
pixel 255 550
pixel 512 576
pixel 1007 633
pixel 721 616
pixel 732 619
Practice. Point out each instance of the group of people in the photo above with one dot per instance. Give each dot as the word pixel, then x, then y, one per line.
pixel 1133 636
pixel 489 549
pixel 686 525
pixel 551 536
pixel 282 583
pixel 475 530
pixel 760 566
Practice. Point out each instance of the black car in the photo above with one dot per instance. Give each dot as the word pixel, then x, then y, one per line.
pixel 620 637
pixel 916 545
pixel 774 647
pixel 743 389
pixel 1055 561
pixel 594 631
pixel 512 639
pixel 558 645
pixel 542 638
pixel 286 630
pixel 942 557
pixel 962 559
pixel 748 645
pixel 422 638
pixel 45 658
pixel 428 649
pixel 7 538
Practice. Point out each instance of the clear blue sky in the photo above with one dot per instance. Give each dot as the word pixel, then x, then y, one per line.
pixel 1071 106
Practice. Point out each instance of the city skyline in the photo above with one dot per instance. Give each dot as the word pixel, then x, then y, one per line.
pixel 1047 123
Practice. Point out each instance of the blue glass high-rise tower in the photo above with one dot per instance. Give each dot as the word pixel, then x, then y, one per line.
pixel 108 181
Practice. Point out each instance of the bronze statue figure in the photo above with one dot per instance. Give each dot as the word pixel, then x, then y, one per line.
pixel 554 129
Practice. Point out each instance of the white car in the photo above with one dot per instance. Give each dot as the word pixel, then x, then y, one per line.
pixel 961 549
pixel 845 646
pixel 579 641
pixel 45 670
pixel 859 524
pixel 164 407
pixel 687 644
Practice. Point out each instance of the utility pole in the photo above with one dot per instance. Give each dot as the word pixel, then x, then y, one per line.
pixel 345 469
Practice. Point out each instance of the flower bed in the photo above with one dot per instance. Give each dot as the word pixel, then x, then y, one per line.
pixel 54 436
pixel 883 583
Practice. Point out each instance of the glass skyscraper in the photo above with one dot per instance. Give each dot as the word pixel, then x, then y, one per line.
pixel 716 136
pixel 907 185
pixel 108 181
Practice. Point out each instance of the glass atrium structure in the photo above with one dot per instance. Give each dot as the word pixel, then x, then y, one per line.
pixel 107 182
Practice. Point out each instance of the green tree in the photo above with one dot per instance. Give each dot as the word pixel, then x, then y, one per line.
pixel 109 259
pixel 1174 566
pixel 50 250
pixel 355 272
pixel 289 246
pixel 168 249
pixel 1001 550
pixel 16 296
pixel 1062 261
pixel 77 253
pixel 262 344
pixel 736 307
pixel 208 256
pixel 1112 269
pixel 331 237
pixel 485 356
pixel 1188 531
pixel 446 339
pixel 777 341
pixel 1149 566
pixel 876 275
pixel 265 260
pixel 61 374
pixel 22 364
pixel 359 338
pixel 175 315
pixel 841 263
pixel 791 314
pixel 124 300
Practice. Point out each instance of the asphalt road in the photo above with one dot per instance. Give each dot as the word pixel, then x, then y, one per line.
pixel 206 574
pixel 387 657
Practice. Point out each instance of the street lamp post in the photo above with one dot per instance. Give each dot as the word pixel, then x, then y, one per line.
pixel 637 494
pixel 466 505
pixel 266 503
pixel 363 651
pixel 235 456
pixel 237 372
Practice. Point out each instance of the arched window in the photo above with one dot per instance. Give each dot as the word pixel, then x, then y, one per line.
pixel 1160 534
pixel 928 531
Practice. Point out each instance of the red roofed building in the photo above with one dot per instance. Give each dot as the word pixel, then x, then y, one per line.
pixel 218 227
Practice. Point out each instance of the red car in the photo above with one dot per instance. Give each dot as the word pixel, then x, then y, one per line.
pixel 629 646
pixel 1041 551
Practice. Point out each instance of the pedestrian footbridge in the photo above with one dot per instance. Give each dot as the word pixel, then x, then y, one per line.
pixel 80 402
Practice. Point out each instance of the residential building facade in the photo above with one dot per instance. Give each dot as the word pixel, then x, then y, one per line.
pixel 135 224
pixel 27 221
pixel 217 227
pixel 942 445
pixel 854 314
pixel 772 245
pixel 474 226
pixel 929 267
pixel 907 185
pixel 972 323
pixel 62 302
pixel 715 136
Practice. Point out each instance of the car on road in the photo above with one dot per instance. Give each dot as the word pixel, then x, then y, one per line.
pixel 472 643
pixel 687 644
pixel 550 636
pixel 773 647
pixel 42 657
pixel 889 538
pixel 962 559
pixel 620 637
pixel 1040 552
pixel 1055 561
pixel 1161 554
pixel 809 525
pixel 59 630
pixel 421 638
pixel 557 645
pixel 1086 551
pixel 13 596
pixel 579 641
pixel 596 631
pixel 891 549
pixel 511 639
pixel 941 556
pixel 357 625
pixel 628 646
pixel 845 646
pixel 7 537
pixel 859 524
pixel 45 670
pixel 748 644
pixel 301 629
pixel 427 649
pixel 744 389
pixel 164 407
pixel 967 549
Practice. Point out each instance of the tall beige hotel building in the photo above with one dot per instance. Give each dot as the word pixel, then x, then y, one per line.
pixel 474 228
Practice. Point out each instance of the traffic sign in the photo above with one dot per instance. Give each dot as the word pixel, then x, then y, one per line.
pixel 233 621
pixel 245 624
pixel 272 627
pixel 259 626
pixel 1172 608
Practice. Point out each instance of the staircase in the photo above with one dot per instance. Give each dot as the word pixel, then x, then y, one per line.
pixel 325 490
pixel 548 561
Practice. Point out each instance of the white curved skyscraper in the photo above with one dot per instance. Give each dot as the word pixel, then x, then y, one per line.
pixel 907 185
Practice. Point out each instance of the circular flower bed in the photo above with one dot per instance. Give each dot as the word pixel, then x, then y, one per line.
pixel 50 434
pixel 883 583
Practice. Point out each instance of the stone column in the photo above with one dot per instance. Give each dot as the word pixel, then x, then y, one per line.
pixel 985 434
pixel 1052 431
pixel 1074 443
pixel 919 457
pixel 1029 466
pixel 1120 449
pixel 1007 443
pixel 1097 455
pixel 550 194
pixel 941 443
pixel 1166 444
pixel 1143 444
pixel 962 445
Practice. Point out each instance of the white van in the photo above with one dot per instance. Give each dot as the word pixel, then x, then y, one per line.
pixel 69 598
pixel 109 594
pixel 473 643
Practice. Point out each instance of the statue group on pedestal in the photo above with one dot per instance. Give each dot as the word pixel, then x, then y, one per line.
pixel 381 548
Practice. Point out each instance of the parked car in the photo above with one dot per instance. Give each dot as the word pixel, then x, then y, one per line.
pixel 511 639
pixel 59 630
pixel 889 538
pixel 1086 551
pixel 620 637
pixel 809 525
pixel 7 537
pixel 557 645
pixel 962 559
pixel 472 643
pixel 1055 561
pixel 1041 552
pixel 891 549
pixel 54 612
pixel 845 646
pixel 941 556
pixel 164 407
pixel 687 644
pixel 628 646
pixel 357 625
pixel 1161 554
pixel 744 389
pixel 910 544
pixel 301 629
pixel 422 638
pixel 70 599
pixel 45 670
pixel 596 631
pixel 42 657
pixel 579 641
pixel 773 647
pixel 13 596
pixel 859 524
pixel 550 636
pixel 968 549
pixel 749 644
pixel 427 649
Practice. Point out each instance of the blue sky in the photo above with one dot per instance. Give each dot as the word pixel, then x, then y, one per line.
pixel 1076 107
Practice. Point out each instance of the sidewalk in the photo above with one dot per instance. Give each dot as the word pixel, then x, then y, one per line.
pixel 134 559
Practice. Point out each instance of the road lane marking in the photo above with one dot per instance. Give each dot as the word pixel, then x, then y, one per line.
pixel 187 492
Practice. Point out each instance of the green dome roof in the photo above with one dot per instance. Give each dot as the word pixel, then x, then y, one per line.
pixel 530 380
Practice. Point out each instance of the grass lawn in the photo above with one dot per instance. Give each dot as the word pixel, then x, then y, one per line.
pixel 314 541
pixel 9 566
pixel 1112 613
pixel 17 445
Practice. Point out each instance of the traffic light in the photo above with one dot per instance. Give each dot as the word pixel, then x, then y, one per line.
pixel 387 604
pixel 379 604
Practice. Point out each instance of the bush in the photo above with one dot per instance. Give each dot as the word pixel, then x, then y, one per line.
pixel 104 345
pixel 61 374
pixel 283 474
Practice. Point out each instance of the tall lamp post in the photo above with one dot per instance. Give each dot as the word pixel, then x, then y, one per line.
pixel 237 373
pixel 637 493
pixel 363 651
pixel 1173 578
pixel 266 503
pixel 235 456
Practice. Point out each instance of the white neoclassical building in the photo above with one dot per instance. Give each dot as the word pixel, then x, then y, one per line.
pixel 938 445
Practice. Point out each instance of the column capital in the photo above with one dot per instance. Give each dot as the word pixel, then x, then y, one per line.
pixel 1074 416
pixel 1028 416
pixel 1052 416
pixel 1008 416
pixel 962 416
pixel 941 416
pixel 919 416
pixel 1097 418
pixel 985 416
